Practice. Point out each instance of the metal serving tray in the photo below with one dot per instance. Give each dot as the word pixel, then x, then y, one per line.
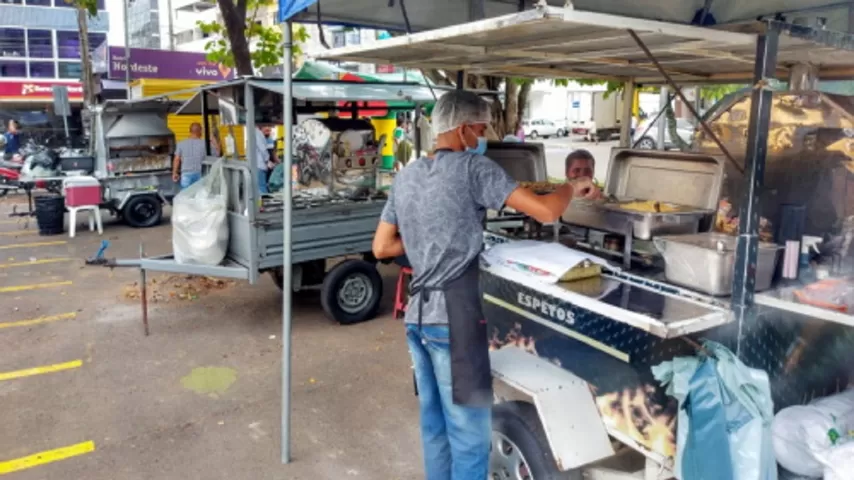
pixel 689 180
pixel 525 162
pixel 706 261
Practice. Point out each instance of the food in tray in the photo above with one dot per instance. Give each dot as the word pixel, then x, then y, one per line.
pixel 540 187
pixel 726 221
pixel 649 206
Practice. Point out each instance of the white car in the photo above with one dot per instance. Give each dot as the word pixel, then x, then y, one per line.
pixel 648 139
pixel 542 128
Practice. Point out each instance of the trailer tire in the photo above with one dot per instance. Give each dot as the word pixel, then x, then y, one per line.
pixel 351 292
pixel 518 440
pixel 143 211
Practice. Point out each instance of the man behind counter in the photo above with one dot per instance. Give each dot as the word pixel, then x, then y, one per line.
pixel 189 156
pixel 434 215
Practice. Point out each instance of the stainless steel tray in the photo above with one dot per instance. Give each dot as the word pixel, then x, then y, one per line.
pixel 651 224
pixel 705 262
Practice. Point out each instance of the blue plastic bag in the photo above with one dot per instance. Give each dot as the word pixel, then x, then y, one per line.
pixel 707 452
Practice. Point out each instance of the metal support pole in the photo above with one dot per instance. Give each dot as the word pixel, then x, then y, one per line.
pixel 626 114
pixel 127 46
pixel 206 125
pixel 461 80
pixel 143 292
pixel 757 145
pixel 287 288
pixel 171 25
pixel 663 103
pixel 251 152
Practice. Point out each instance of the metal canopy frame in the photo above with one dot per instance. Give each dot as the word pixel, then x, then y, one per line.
pixel 555 42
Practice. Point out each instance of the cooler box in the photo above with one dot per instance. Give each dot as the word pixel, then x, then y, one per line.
pixel 82 191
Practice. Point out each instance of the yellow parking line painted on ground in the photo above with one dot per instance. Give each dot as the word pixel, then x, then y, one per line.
pixel 48 456
pixel 18 232
pixel 29 372
pixel 35 286
pixel 39 320
pixel 9 222
pixel 35 262
pixel 33 244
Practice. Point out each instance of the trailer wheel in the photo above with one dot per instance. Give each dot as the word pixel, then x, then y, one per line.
pixel 351 292
pixel 143 211
pixel 519 446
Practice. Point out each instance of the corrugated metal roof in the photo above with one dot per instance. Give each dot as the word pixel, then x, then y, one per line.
pixel 555 42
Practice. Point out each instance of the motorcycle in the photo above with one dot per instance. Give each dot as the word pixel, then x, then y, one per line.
pixel 32 161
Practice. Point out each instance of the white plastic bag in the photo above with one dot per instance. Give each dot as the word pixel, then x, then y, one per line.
pixel 200 220
pixel 801 434
pixel 840 463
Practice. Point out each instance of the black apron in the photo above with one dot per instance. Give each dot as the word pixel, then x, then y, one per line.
pixel 471 376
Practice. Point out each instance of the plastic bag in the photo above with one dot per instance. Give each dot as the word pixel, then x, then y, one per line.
pixel 840 463
pixel 200 220
pixel 725 416
pixel 804 435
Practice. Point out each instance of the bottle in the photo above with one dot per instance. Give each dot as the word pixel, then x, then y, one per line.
pixel 229 145
pixel 809 244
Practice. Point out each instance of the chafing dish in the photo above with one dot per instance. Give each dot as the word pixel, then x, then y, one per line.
pixel 691 183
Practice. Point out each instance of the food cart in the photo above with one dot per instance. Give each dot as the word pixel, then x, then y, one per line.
pixel 337 193
pixel 572 361
pixel 130 155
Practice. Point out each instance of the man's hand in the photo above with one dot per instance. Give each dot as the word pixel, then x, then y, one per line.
pixel 176 177
pixel 585 188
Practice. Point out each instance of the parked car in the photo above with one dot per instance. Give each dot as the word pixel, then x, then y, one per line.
pixel 648 139
pixel 542 128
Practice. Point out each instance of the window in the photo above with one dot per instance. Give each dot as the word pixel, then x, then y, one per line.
pixel 70 70
pixel 42 69
pixel 12 42
pixel 339 39
pixel 41 3
pixel 96 40
pixel 40 43
pixel 67 45
pixel 13 2
pixel 13 68
pixel 353 37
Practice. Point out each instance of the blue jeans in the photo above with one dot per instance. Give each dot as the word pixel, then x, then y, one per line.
pixel 262 181
pixel 455 438
pixel 189 178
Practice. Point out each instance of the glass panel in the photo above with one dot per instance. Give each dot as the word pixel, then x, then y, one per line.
pixel 40 43
pixel 42 69
pixel 12 42
pixel 14 2
pixel 40 3
pixel 96 39
pixel 70 70
pixel 102 5
pixel 13 68
pixel 63 3
pixel 68 45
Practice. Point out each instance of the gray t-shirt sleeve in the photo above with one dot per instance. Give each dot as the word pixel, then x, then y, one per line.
pixel 490 184
pixel 179 149
pixel 389 214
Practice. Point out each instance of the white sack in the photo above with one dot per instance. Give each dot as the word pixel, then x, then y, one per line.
pixel 200 220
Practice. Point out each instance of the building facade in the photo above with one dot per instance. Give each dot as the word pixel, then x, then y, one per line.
pixel 39 39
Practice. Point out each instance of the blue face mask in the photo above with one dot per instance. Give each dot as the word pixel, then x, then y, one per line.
pixel 480 149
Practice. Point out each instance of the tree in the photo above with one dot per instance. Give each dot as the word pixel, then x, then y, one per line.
pixel 243 27
pixel 86 9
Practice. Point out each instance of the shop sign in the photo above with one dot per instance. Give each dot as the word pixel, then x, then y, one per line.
pixel 30 90
pixel 165 64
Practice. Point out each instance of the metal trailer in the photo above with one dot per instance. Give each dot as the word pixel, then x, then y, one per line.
pixel 130 154
pixel 555 347
pixel 321 229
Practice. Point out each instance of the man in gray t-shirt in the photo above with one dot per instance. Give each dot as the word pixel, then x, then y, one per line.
pixel 434 216
pixel 189 156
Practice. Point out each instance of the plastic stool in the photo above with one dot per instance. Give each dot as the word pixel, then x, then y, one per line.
pixel 401 295
pixel 94 219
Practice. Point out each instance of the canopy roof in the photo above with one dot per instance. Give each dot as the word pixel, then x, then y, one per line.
pixel 428 15
pixel 557 42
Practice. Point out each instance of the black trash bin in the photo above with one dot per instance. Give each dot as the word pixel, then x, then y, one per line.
pixel 50 214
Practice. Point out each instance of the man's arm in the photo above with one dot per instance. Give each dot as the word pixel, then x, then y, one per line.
pixel 387 242
pixel 176 164
pixel 543 208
